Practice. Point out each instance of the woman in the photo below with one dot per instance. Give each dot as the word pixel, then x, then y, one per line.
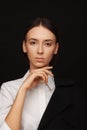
pixel 39 100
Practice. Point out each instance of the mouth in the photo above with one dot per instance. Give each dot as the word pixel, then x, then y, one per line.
pixel 39 59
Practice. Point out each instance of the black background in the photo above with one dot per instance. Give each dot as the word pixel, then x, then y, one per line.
pixel 71 19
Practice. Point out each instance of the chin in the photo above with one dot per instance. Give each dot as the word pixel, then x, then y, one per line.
pixel 41 65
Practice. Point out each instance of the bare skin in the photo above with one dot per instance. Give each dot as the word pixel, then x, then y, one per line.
pixel 40 47
pixel 31 81
pixel 36 76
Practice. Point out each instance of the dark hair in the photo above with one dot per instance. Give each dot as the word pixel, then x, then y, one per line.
pixel 47 23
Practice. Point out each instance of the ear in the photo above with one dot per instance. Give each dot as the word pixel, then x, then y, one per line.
pixel 24 47
pixel 56 48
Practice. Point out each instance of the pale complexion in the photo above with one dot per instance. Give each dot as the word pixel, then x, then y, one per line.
pixel 40 46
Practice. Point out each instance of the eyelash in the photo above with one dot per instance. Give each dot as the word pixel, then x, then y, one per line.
pixel 47 44
pixel 32 43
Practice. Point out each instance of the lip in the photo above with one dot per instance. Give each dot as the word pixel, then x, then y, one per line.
pixel 39 59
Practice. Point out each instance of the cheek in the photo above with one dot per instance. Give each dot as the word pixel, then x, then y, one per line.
pixel 50 52
pixel 30 50
pixel 49 55
pixel 29 53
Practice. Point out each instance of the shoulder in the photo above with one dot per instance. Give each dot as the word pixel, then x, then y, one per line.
pixel 10 88
pixel 64 82
pixel 12 85
pixel 68 87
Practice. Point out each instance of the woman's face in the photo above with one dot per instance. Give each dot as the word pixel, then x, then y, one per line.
pixel 40 46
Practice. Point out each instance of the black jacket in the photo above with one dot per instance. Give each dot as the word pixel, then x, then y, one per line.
pixel 66 109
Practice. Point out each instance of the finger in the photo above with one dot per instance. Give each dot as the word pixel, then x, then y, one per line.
pixel 43 76
pixel 47 67
pixel 41 69
pixel 39 73
pixel 49 72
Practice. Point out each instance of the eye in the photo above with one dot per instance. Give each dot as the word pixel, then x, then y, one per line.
pixel 48 44
pixel 32 42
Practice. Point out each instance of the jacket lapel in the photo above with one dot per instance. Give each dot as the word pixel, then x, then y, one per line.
pixel 58 103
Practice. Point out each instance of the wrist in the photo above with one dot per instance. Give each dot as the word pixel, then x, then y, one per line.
pixel 23 89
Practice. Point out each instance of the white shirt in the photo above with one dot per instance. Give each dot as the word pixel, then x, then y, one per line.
pixel 35 103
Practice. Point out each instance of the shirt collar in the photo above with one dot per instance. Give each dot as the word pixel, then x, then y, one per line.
pixel 26 74
pixel 50 84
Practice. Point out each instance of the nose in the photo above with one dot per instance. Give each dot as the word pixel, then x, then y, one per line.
pixel 40 49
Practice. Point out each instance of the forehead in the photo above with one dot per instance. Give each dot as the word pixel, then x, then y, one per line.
pixel 40 32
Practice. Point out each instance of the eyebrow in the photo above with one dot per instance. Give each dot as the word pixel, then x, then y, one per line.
pixel 33 39
pixel 37 39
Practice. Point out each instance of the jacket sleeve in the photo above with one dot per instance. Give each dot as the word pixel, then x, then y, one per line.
pixel 4 126
pixel 6 101
pixel 79 102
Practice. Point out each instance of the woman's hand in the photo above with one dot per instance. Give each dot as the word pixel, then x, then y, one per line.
pixel 37 75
